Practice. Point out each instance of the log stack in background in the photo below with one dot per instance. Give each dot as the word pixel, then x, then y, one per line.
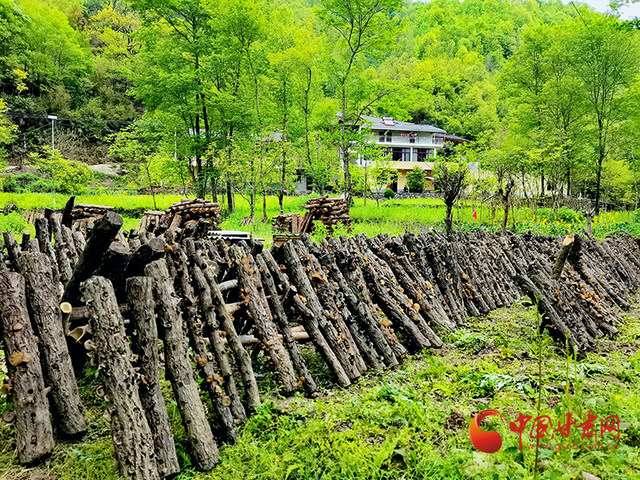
pixel 287 223
pixel 82 214
pixel 329 211
pixel 362 303
pixel 189 216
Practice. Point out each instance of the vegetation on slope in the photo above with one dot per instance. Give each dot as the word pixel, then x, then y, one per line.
pixel 411 422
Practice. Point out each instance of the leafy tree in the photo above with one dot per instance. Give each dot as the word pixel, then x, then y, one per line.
pixel 415 180
pixel 383 174
pixel 168 73
pixel 139 146
pixel 361 27
pixel 7 128
pixel 450 179
pixel 322 167
pixel 69 176
pixel 606 62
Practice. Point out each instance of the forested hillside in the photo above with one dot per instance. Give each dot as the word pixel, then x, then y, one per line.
pixel 544 89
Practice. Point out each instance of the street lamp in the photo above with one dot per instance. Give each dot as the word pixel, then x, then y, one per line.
pixel 53 118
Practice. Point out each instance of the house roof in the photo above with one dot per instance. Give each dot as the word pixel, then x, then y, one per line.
pixel 455 138
pixel 390 124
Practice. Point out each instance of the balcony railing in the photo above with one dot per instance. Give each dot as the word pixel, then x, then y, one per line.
pixel 417 141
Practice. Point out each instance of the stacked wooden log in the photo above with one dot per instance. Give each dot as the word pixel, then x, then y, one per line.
pixel 150 220
pixel 192 216
pixel 363 303
pixel 288 223
pixel 84 214
pixel 31 215
pixel 329 211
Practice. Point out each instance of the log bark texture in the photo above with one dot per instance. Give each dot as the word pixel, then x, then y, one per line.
pixel 251 287
pixel 42 295
pixel 144 344
pixel 34 439
pixel 132 436
pixel 203 446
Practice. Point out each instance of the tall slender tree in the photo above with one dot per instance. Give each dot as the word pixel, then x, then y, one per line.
pixel 361 27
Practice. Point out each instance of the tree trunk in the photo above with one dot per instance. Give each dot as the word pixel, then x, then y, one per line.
pixel 42 292
pixel 99 241
pixel 131 433
pixel 448 219
pixel 185 390
pixel 344 146
pixel 251 286
pixel 34 433
pixel 145 345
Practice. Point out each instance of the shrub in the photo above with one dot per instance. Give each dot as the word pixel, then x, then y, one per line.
pixel 636 216
pixel 69 176
pixel 41 186
pixel 10 184
pixel 13 222
pixel 415 180
pixel 568 215
pixel 388 193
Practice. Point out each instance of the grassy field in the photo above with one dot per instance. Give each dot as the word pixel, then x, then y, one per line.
pixel 392 216
pixel 411 422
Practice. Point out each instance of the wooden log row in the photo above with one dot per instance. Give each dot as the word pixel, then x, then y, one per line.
pixel 337 288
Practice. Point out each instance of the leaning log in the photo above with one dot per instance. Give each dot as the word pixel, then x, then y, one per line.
pixel 315 313
pixel 205 362
pixel 144 344
pixel 208 303
pixel 179 371
pixel 130 430
pixel 34 437
pixel 67 217
pixel 251 287
pixel 563 254
pixel 280 317
pixel 42 294
pixel 99 241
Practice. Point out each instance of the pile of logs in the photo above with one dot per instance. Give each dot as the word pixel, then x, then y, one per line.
pixel 150 221
pixel 288 223
pixel 329 211
pixel 188 215
pixel 363 303
pixel 82 215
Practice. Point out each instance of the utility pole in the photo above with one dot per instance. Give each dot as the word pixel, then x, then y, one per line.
pixel 53 118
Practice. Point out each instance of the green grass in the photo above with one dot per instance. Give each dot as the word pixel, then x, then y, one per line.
pixel 392 216
pixel 34 201
pixel 411 423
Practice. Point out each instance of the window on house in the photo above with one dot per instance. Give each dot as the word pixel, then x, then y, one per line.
pixel 438 139
pixel 395 154
pixel 385 137
pixel 424 154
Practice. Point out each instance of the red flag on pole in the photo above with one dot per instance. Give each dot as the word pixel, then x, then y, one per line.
pixel 474 213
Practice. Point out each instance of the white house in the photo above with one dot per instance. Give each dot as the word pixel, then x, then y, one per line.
pixel 408 145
